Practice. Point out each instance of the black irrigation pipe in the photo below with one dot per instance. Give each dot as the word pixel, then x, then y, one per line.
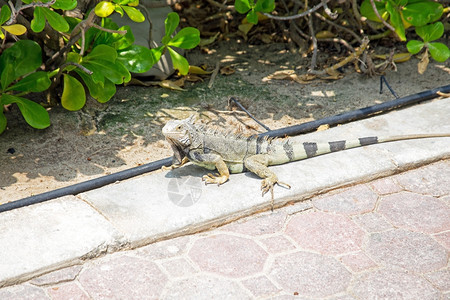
pixel 292 130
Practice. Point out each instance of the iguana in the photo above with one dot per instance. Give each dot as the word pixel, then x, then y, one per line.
pixel 235 153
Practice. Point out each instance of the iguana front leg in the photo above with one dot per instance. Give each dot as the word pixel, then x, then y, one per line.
pixel 184 161
pixel 258 164
pixel 211 160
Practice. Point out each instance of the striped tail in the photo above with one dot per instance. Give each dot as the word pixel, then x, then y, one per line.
pixel 311 149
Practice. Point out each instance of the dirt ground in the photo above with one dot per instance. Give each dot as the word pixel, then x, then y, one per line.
pixel 126 132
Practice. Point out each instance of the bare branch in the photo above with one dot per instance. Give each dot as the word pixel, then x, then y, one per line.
pixel 305 13
pixel 15 12
pixel 389 26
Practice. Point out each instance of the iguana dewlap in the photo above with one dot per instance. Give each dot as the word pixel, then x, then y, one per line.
pixel 228 152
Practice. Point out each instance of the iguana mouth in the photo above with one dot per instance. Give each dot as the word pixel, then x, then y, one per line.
pixel 178 148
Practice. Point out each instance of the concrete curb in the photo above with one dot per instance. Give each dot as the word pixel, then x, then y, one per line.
pixel 38 239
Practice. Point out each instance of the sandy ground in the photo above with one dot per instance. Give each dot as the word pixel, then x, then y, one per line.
pixel 126 132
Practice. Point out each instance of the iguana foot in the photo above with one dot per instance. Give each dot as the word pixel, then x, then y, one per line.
pixel 175 166
pixel 217 178
pixel 267 185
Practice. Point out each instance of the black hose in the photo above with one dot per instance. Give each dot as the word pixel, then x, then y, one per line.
pixel 292 130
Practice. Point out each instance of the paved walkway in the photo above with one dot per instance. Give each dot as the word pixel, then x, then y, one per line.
pixel 387 239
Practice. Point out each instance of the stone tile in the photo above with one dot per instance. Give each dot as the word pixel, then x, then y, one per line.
pixel 67 291
pixel 277 244
pixel 164 249
pixel 353 200
pixel 440 279
pixel 66 274
pixel 260 286
pixel 325 232
pixel 122 277
pixel 309 274
pixel 431 180
pixel 228 255
pixel 205 287
pixel 445 199
pixel 23 291
pixel 410 250
pixel 385 186
pixel 358 262
pixel 260 225
pixel 444 239
pixel 415 212
pixel 56 232
pixel 372 222
pixel 390 284
pixel 178 267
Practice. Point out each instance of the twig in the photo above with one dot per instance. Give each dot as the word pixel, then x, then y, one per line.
pixel 381 19
pixel 220 5
pixel 338 40
pixel 213 75
pixel 328 11
pixel 322 18
pixel 15 12
pixel 305 13
pixel 82 68
pixel 314 41
pixel 232 99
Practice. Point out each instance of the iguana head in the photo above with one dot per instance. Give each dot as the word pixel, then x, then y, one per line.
pixel 178 134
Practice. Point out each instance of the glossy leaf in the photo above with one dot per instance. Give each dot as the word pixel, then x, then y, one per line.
pixel 24 56
pixel 7 76
pixel 35 82
pixel 430 32
pixel 34 114
pixel 171 23
pixel 100 93
pixel 136 59
pixel 414 46
pixel 439 52
pixel 104 8
pixel 16 29
pixel 422 13
pixel 179 62
pixel 242 6
pixel 73 97
pixel 118 9
pixel 38 22
pixel 102 52
pixel 396 20
pixel 134 14
pixel 266 6
pixel 5 14
pixel 55 20
pixel 116 72
pixel 157 52
pixel 186 38
pixel 252 17
pixel 367 10
pixel 65 4
pixel 122 41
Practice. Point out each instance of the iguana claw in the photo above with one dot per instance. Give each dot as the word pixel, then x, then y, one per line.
pixel 214 178
pixel 267 185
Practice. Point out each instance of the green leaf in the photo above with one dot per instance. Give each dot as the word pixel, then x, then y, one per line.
pixel 414 46
pixel 186 38
pixel 137 59
pixel 367 10
pixel 266 6
pixel 25 56
pixel 3 121
pixel 34 114
pixel 102 52
pixel 422 13
pixel 252 17
pixel 38 22
pixel 439 52
pixel 430 32
pixel 171 23
pixel 73 97
pixel 116 72
pixel 242 6
pixel 134 14
pixel 7 77
pixel 55 20
pixel 35 82
pixel 118 9
pixel 123 41
pixel 179 62
pixel 104 8
pixel 396 20
pixel 101 93
pixel 65 4
pixel 157 52
pixel 5 14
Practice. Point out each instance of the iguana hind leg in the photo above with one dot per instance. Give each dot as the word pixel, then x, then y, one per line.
pixel 258 164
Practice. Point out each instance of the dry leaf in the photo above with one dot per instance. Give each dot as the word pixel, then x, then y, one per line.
pixel 208 41
pixel 198 70
pixel 398 58
pixel 423 63
pixel 325 34
pixel 323 127
pixel 290 75
pixel 193 78
pixel 170 85
pixel 245 28
pixel 227 70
